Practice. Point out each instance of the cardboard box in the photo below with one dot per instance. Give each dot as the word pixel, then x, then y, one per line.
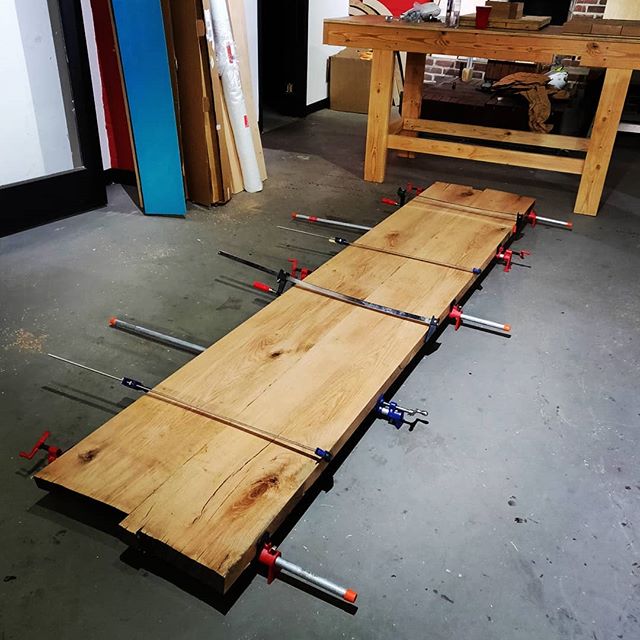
pixel 349 80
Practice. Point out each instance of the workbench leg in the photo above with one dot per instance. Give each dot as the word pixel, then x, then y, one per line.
pixel 412 93
pixel 603 137
pixel 375 161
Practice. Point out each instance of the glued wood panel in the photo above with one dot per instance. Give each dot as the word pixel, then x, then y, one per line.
pixel 306 367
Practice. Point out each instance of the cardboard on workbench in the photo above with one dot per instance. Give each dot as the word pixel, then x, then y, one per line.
pixel 306 367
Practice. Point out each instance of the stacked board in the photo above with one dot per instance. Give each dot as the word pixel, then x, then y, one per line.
pixel 307 367
pixel 605 27
pixel 526 23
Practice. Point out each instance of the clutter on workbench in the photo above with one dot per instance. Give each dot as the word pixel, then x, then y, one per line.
pixel 422 12
pixel 499 14
pixel 535 88
pixel 482 17
pixel 606 27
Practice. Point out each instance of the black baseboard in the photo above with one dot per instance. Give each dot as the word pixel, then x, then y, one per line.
pixel 120 176
pixel 316 106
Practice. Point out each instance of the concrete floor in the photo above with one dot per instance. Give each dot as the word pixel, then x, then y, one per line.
pixel 513 514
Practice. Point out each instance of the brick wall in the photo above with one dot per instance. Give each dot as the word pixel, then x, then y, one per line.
pixel 439 67
pixel 591 9
pixel 445 66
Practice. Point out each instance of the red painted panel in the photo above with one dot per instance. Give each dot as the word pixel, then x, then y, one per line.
pixel 397 6
pixel 113 95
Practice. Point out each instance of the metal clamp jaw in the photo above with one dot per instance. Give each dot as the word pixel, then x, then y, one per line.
pixel 389 412
pixel 433 327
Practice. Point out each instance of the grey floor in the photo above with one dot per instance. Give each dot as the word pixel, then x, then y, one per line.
pixel 513 514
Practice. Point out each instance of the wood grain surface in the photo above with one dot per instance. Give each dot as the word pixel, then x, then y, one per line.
pixel 306 367
pixel 526 46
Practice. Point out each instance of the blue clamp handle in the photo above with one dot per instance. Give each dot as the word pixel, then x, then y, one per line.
pixel 324 455
pixel 389 411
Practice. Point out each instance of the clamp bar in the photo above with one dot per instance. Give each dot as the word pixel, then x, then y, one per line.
pixel 273 560
pixel 284 278
pixel 151 334
pixel 486 323
pixel 335 223
pixel 534 218
pixel 347 243
pixel 458 317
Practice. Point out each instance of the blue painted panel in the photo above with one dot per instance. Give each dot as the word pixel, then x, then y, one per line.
pixel 143 51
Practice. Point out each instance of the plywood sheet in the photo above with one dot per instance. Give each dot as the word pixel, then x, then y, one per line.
pixel 306 367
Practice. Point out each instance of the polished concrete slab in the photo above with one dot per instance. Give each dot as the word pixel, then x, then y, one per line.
pixel 513 513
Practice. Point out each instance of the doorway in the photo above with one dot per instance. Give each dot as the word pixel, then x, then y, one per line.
pixel 282 50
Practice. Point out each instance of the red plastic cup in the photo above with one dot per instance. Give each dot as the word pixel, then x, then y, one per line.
pixel 482 17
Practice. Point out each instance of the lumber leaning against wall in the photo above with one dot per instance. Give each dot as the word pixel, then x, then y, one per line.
pixel 218 26
pixel 239 25
pixel 145 65
pixel 199 138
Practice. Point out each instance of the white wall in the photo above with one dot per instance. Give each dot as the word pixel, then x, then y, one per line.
pixel 33 128
pixel 622 9
pixel 319 53
pixel 96 81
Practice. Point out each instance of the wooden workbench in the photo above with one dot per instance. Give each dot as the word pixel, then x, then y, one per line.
pixel 619 56
pixel 306 367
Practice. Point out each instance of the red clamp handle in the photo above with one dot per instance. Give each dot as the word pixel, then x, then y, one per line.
pixel 507 256
pixel 52 452
pixel 532 218
pixel 294 266
pixel 389 201
pixel 261 286
pixel 268 556
pixel 456 315
pixel 304 271
pixel 411 188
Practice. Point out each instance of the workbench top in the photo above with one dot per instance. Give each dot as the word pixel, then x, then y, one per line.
pixel 375 32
